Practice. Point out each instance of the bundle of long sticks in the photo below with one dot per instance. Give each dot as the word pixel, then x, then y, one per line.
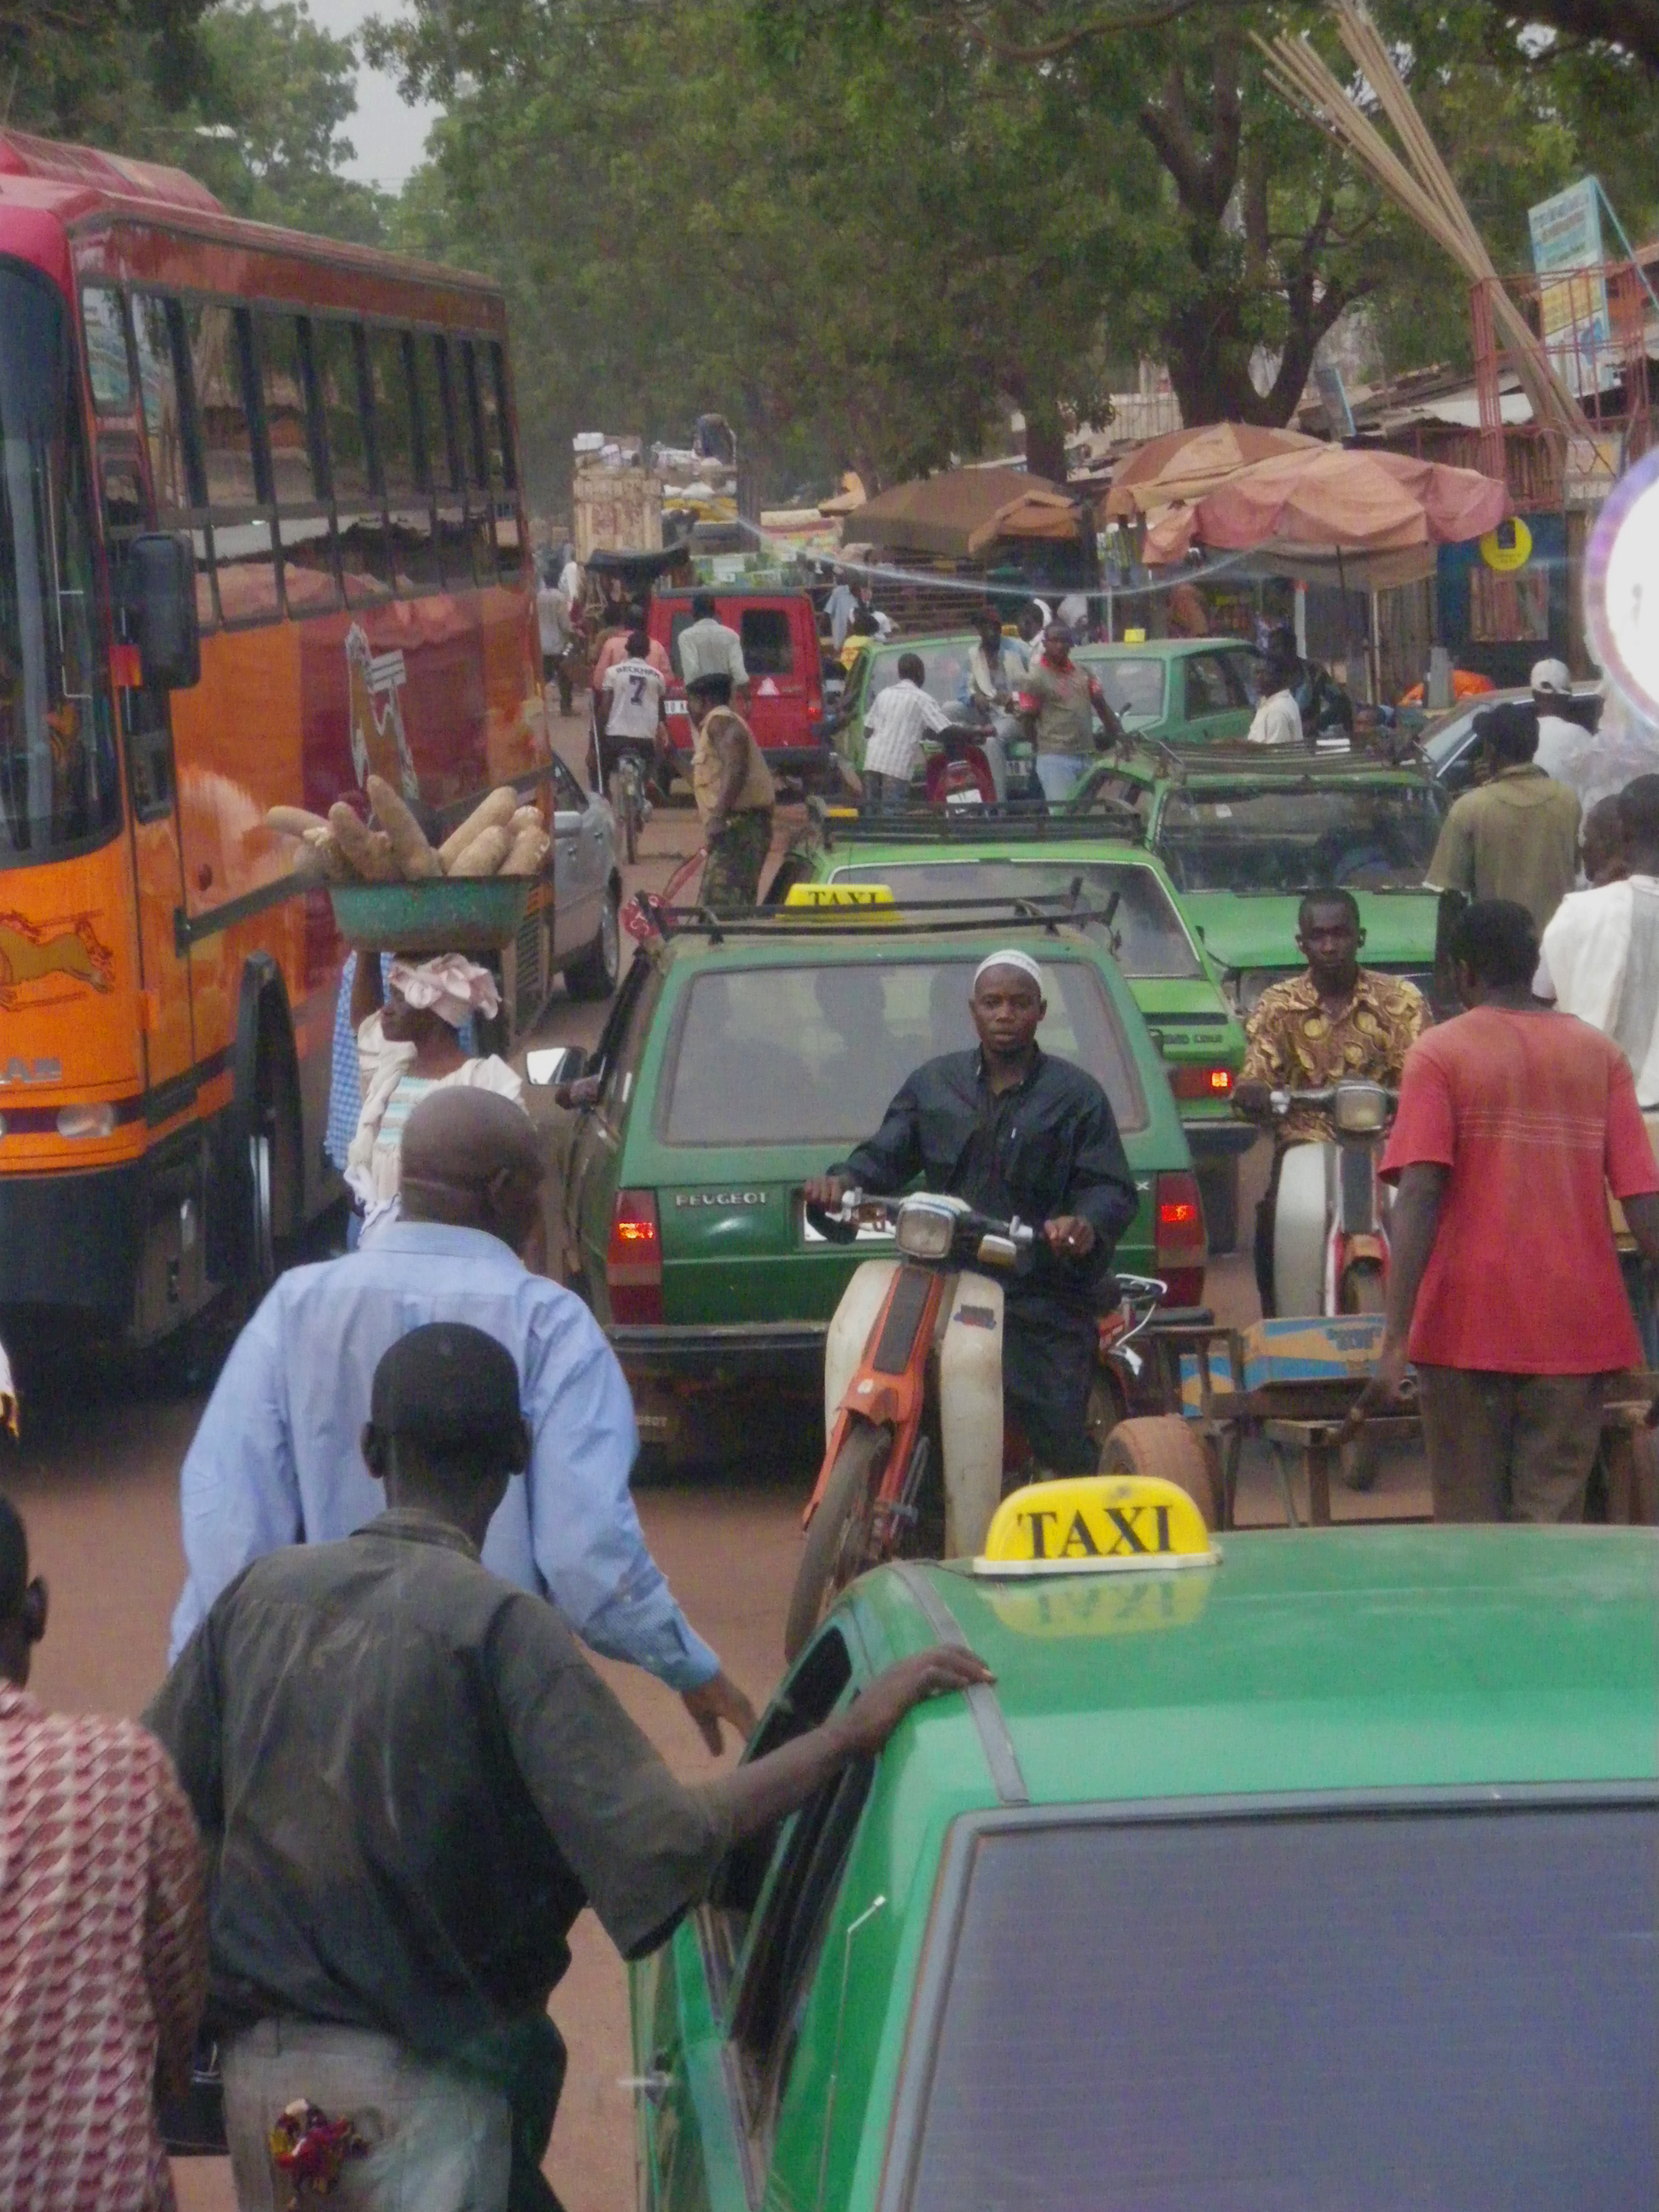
pixel 1421 183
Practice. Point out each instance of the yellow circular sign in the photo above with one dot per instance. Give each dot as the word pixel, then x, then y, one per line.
pixel 1507 548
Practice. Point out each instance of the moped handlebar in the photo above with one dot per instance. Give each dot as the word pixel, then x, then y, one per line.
pixel 928 1227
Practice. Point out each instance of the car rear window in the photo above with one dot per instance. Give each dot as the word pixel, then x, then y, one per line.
pixel 767 648
pixel 1134 687
pixel 1295 838
pixel 1449 2009
pixel 813 1054
pixel 1152 939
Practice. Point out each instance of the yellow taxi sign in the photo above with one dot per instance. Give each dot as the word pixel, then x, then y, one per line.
pixel 1095 1522
pixel 821 895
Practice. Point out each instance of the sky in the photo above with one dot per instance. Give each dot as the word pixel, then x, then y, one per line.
pixel 389 135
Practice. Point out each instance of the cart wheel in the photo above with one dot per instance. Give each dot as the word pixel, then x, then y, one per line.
pixel 1166 1445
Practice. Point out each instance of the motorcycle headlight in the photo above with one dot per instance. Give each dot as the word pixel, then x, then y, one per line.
pixel 1360 1109
pixel 927 1228
pixel 1244 985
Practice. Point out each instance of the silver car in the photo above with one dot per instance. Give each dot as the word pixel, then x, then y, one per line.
pixel 587 889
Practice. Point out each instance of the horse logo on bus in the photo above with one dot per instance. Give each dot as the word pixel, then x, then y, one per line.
pixel 374 687
pixel 32 954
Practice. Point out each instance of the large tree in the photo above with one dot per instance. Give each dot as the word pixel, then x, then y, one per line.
pixel 81 69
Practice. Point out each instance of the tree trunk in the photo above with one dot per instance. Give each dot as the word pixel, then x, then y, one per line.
pixel 1045 441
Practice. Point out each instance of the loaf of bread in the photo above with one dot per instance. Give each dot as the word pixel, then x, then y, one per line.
pixel 416 861
pixel 485 855
pixel 492 813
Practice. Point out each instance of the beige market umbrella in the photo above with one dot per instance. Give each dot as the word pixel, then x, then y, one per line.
pixel 1184 465
pixel 961 512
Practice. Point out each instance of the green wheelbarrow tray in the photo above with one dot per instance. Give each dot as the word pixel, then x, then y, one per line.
pixel 446 915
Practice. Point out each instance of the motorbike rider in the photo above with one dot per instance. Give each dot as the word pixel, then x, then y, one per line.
pixel 1336 1019
pixel 1014 1131
pixel 995 666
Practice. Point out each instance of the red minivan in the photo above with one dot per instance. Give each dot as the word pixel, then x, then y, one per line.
pixel 779 632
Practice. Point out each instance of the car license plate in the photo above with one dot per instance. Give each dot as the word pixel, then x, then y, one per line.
pixel 963 798
pixel 675 707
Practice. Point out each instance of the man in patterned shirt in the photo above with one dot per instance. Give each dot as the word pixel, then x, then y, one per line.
pixel 1336 1019
pixel 103 1936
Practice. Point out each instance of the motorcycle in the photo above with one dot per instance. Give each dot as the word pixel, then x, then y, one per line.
pixel 1330 1223
pixel 916 1450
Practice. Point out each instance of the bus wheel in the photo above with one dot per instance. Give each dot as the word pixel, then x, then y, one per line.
pixel 272 1190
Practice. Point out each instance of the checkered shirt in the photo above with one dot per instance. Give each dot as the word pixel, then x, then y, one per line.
pixel 103 1958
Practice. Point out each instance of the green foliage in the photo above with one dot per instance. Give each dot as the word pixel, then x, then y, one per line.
pixel 78 68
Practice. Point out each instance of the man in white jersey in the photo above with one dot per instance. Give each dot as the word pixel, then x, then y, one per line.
pixel 634 693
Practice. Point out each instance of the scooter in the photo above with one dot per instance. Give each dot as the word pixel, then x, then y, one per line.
pixel 1330 1223
pixel 916 1448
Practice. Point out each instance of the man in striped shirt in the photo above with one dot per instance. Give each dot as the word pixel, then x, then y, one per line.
pixel 892 735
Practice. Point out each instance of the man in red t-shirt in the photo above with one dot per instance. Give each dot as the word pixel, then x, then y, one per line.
pixel 1504 1287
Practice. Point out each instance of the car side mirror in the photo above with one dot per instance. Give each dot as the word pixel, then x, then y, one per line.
pixel 161 609
pixel 559 1063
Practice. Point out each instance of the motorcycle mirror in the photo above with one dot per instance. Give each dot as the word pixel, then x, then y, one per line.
pixel 561 1063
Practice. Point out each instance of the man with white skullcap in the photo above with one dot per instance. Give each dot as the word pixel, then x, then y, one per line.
pixel 1015 1132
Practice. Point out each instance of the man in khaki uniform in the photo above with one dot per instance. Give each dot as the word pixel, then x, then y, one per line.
pixel 733 789
pixel 1515 837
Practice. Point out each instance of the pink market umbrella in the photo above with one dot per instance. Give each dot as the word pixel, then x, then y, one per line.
pixel 1374 515
pixel 1184 465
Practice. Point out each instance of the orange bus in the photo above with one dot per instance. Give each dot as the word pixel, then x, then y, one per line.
pixel 260 533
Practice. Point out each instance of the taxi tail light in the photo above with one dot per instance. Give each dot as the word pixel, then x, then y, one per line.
pixel 1179 1238
pixel 632 1260
pixel 1201 1082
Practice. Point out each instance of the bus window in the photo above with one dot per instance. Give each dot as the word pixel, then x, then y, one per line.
pixel 409 510
pixel 437 406
pixel 174 471
pixel 217 339
pixel 296 476
pixel 336 349
pixel 498 447
pixel 481 502
pixel 104 318
pixel 58 781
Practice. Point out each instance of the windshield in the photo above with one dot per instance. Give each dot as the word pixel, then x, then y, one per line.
pixel 813 1054
pixel 1455 2010
pixel 1369 836
pixel 945 659
pixel 1134 687
pixel 1150 938
pixel 58 781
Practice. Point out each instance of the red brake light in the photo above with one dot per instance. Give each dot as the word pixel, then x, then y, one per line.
pixel 633 1261
pixel 1201 1082
pixel 1180 1242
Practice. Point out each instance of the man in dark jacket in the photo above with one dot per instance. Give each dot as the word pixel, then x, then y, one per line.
pixel 1013 1131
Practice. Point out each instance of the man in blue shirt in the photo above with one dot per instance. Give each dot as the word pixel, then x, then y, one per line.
pixel 277 1459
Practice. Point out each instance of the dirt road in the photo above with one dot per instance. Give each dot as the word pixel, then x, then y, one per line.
pixel 96 1480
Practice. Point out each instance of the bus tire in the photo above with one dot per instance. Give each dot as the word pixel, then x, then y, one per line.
pixel 1166 1445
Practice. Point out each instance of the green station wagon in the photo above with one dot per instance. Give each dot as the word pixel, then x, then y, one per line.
pixel 937 856
pixel 1317 1879
pixel 1242 836
pixel 1179 691
pixel 740 1061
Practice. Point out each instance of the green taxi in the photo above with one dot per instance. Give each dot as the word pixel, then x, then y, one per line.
pixel 737 1061
pixel 1179 691
pixel 1241 835
pixel 937 856
pixel 1318 1873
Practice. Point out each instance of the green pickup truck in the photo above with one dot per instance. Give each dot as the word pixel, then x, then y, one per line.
pixel 1318 1876
pixel 1243 834
pixel 939 855
pixel 738 1062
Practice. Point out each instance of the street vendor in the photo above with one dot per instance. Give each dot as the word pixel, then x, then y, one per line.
pixel 409 1044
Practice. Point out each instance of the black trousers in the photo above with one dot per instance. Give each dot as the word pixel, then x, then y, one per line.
pixel 1264 1235
pixel 1050 1355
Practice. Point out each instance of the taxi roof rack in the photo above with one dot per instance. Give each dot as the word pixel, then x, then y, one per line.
pixel 1114 819
pixel 1050 911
